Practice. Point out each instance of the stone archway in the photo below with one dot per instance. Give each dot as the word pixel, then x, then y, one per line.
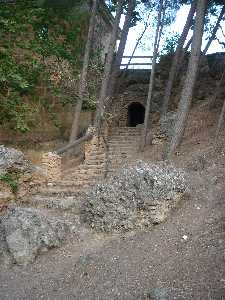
pixel 136 114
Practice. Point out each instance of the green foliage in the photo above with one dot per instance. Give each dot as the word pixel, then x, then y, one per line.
pixel 31 34
pixel 94 79
pixel 11 180
pixel 170 44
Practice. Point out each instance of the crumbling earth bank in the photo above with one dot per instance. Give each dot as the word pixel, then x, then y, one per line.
pixel 138 196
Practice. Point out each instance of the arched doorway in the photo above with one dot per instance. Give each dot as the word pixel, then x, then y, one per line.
pixel 136 114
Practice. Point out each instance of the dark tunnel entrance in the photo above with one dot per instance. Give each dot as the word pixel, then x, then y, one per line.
pixel 136 114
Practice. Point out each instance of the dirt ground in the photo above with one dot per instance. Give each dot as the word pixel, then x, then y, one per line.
pixel 183 258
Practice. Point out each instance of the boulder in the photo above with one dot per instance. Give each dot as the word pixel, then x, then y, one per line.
pixel 5 257
pixel 26 232
pixel 138 196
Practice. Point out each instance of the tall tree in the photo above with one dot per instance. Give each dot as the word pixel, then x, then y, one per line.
pixel 176 58
pixel 122 44
pixel 108 65
pixel 215 29
pixel 187 92
pixel 83 78
pixel 159 26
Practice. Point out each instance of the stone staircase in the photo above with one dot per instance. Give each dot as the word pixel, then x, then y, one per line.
pixel 100 162
pixel 75 180
pixel 123 147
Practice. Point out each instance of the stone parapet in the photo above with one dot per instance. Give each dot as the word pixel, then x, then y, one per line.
pixel 52 164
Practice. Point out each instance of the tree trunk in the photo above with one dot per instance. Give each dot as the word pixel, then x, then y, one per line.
pixel 74 144
pixel 181 59
pixel 122 44
pixel 108 65
pixel 187 92
pixel 152 77
pixel 221 121
pixel 188 44
pixel 83 79
pixel 214 30
pixel 175 62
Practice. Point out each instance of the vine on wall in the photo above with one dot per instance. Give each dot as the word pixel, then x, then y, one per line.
pixel 41 47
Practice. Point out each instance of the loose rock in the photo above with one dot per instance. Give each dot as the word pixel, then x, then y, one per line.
pixel 138 196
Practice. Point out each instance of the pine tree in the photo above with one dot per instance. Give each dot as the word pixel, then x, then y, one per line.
pixel 187 91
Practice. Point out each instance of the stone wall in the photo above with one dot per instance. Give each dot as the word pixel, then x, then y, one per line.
pixel 133 86
pixel 52 165
pixel 120 107
pixel 135 93
pixel 103 30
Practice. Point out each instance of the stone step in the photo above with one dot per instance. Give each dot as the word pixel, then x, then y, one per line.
pixel 122 144
pixel 94 157
pixel 126 129
pixel 69 171
pixel 120 154
pixel 126 136
pixel 120 157
pixel 126 132
pixel 88 166
pixel 123 138
pixel 59 203
pixel 74 161
pixel 85 177
pixel 113 171
pixel 116 166
pixel 88 171
pixel 94 162
pixel 71 183
pixel 66 190
pixel 61 191
pixel 118 161
pixel 122 149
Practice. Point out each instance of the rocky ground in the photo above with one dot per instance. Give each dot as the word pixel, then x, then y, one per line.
pixel 182 258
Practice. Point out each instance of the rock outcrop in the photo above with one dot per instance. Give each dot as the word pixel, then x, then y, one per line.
pixel 11 158
pixel 18 176
pixel 25 232
pixel 137 196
